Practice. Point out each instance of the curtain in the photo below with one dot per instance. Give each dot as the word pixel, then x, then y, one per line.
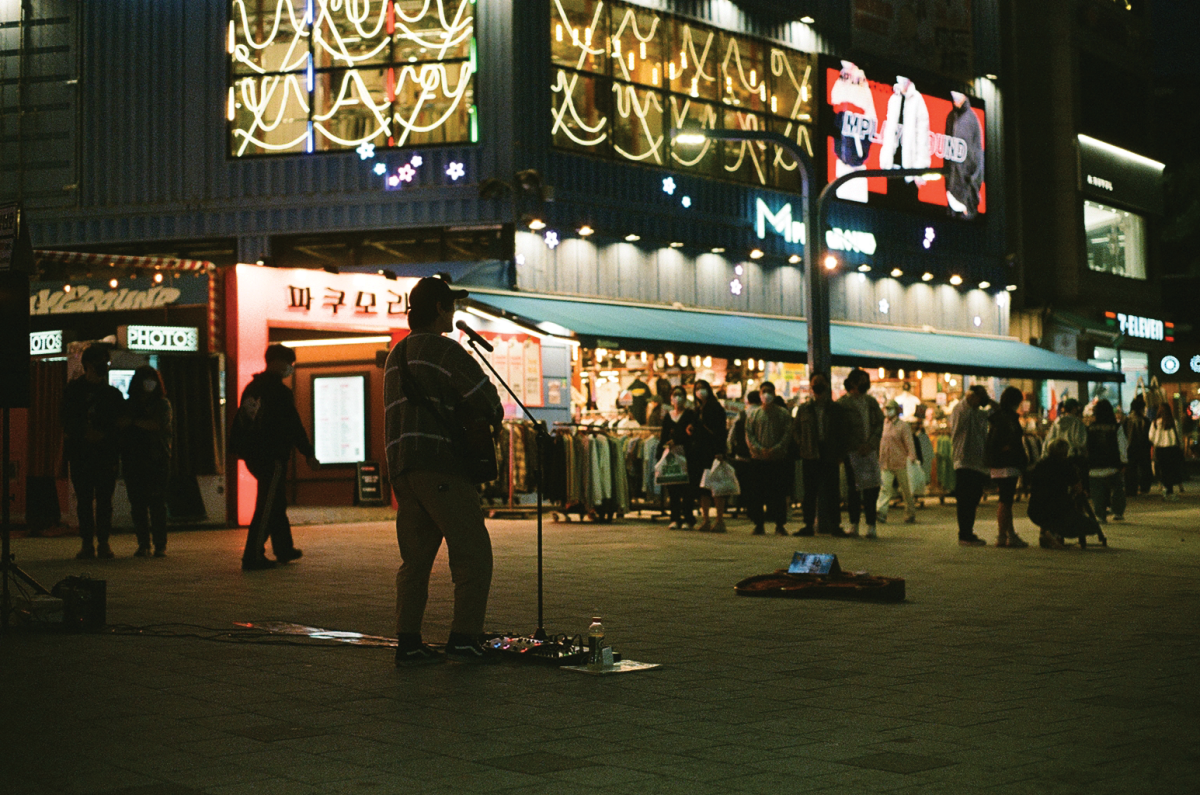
pixel 45 434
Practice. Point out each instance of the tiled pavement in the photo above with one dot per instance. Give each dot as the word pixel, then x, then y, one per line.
pixel 1006 671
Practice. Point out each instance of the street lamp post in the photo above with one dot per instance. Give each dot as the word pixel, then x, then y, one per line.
pixel 816 293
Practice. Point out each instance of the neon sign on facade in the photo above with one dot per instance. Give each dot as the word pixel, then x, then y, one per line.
pixel 333 75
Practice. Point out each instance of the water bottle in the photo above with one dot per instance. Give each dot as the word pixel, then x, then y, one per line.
pixel 595 642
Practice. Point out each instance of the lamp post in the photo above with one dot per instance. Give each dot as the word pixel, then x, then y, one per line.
pixel 816 293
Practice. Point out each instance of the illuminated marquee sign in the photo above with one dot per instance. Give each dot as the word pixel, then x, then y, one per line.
pixel 1146 328
pixel 793 231
pixel 45 343
pixel 850 240
pixel 167 339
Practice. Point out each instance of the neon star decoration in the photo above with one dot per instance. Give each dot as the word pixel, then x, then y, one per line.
pixel 380 169
pixel 735 287
pixel 330 75
pixel 366 150
pixel 455 171
pixel 551 239
pixel 668 186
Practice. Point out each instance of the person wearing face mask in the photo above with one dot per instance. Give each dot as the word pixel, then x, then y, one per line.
pixel 707 437
pixel 675 424
pixel 769 436
pixel 275 428
pixel 146 441
pixel 865 422
pixel 896 451
pixel 91 413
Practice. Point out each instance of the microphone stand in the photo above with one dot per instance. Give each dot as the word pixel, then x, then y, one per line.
pixel 543 436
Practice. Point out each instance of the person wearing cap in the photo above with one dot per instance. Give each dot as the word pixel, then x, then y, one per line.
pixel 968 434
pixel 266 428
pixel 428 374
pixel 896 451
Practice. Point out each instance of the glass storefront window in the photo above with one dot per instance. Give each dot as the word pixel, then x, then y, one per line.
pixel 1116 240
pixel 326 75
pixel 663 72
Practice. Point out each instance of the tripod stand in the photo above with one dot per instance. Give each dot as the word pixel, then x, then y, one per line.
pixel 543 437
pixel 7 567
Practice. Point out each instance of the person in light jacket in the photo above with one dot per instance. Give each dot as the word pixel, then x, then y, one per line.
pixel 906 134
pixel 896 451
pixel 769 435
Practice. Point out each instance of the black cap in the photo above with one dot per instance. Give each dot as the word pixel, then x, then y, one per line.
pixel 431 291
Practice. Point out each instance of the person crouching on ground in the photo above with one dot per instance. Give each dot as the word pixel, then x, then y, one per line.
pixel 1054 486
pixel 1004 454
pixel 430 379
pixel 896 451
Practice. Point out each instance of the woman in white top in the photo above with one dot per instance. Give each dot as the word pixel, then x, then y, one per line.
pixel 1168 451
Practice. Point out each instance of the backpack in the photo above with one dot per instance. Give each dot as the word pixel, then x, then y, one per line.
pixel 246 434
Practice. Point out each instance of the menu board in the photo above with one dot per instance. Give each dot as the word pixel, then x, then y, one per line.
pixel 339 419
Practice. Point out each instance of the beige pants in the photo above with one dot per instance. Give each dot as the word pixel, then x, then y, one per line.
pixel 433 506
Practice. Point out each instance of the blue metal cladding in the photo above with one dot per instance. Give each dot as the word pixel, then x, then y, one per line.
pixel 154 163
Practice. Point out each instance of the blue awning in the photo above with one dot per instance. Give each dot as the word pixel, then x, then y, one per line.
pixel 604 324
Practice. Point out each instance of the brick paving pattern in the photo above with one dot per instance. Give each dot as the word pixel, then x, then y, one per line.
pixel 1005 671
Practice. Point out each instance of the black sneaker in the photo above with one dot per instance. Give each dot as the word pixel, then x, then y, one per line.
pixel 420 655
pixel 470 651
pixel 258 564
pixel 289 555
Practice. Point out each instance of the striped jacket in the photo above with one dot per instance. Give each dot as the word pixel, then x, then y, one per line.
pixel 450 379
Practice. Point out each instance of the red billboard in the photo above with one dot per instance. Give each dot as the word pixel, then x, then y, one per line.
pixel 887 121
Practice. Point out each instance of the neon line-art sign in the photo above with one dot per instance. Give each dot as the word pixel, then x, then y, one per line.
pixel 624 75
pixel 335 75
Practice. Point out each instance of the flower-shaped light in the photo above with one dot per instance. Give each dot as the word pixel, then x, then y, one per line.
pixel 416 161
pixel 380 169
pixel 366 150
pixel 406 173
pixel 735 287
pixel 686 201
pixel 456 171
pixel 668 186
pixel 551 239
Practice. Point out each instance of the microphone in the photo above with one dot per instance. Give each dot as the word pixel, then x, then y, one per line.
pixel 473 335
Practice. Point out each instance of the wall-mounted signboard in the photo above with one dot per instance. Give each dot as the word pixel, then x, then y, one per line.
pixel 877 118
pixel 159 339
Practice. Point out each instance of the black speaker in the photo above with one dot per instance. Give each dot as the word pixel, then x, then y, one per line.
pixel 85 603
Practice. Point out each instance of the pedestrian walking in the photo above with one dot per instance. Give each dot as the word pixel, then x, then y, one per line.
pixel 265 429
pixel 865 423
pixel 91 412
pixel 820 432
pixel 431 385
pixel 1108 453
pixel 681 497
pixel 1004 454
pixel 147 438
pixel 1070 426
pixel 1138 472
pixel 968 435
pixel 708 444
pixel 1167 452
pixel 769 437
pixel 897 449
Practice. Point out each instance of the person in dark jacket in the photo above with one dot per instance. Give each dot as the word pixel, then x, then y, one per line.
pixel 708 445
pixel 274 429
pixel 1138 472
pixel 1107 454
pixel 964 177
pixel 1054 486
pixel 91 412
pixel 682 496
pixel 821 433
pixel 146 443
pixel 1004 454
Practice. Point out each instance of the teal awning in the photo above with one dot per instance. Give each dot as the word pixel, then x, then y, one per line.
pixel 689 331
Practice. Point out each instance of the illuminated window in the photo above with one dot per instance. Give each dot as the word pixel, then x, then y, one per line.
pixel 329 75
pixel 624 75
pixel 1116 240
